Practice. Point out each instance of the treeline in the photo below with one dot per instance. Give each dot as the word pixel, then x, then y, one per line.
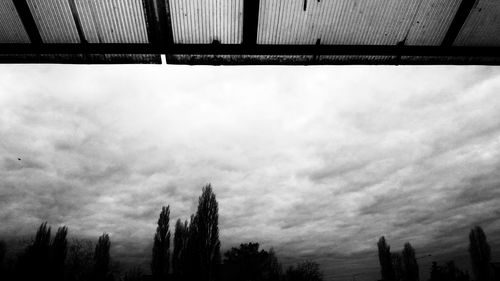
pixel 404 266
pixel 195 255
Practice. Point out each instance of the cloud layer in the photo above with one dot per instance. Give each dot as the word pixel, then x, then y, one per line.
pixel 317 162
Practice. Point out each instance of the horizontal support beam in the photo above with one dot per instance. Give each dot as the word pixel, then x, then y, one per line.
pixel 237 49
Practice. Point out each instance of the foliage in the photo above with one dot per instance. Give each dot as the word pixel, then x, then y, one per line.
pixel 102 258
pixel 480 253
pixel 385 260
pixel 160 265
pixel 409 264
pixel 304 271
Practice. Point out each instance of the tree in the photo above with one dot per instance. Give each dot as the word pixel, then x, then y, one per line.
pixel 80 260
pixel 274 267
pixel 409 262
pixel 246 263
pixel 3 251
pixel 480 253
pixel 161 248
pixel 101 257
pixel 59 251
pixel 180 245
pixel 397 266
pixel 304 271
pixel 385 260
pixel 206 234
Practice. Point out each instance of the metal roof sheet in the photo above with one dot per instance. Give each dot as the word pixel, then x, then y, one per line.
pixel 113 21
pixel 82 59
pixel 54 21
pixel 482 27
pixel 432 22
pixel 378 22
pixel 11 27
pixel 203 21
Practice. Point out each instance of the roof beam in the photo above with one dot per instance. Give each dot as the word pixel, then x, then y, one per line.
pixel 238 49
pixel 78 23
pixel 458 21
pixel 250 21
pixel 165 22
pixel 27 19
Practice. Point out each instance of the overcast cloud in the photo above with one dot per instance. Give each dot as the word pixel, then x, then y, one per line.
pixel 318 162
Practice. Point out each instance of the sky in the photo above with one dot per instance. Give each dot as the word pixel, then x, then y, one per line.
pixel 317 162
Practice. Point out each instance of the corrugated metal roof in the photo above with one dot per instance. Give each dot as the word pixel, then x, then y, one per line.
pixel 113 21
pixel 54 21
pixel 432 21
pixel 82 59
pixel 375 22
pixel 203 21
pixel 482 27
pixel 11 27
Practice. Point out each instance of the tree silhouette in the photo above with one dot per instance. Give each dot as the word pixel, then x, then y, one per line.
pixel 409 262
pixel 397 266
pixel 247 263
pixel 161 248
pixel 447 273
pixel 35 261
pixel 480 253
pixel 304 271
pixel 80 260
pixel 180 245
pixel 206 235
pixel 3 251
pixel 385 260
pixel 59 252
pixel 274 270
pixel 102 258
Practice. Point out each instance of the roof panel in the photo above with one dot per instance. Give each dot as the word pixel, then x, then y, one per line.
pixel 113 21
pixel 432 21
pixel 82 59
pixel 11 27
pixel 203 21
pixel 482 27
pixel 378 22
pixel 54 21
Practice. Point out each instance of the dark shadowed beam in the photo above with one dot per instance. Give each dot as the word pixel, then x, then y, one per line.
pixel 238 49
pixel 458 21
pixel 76 19
pixel 27 19
pixel 165 23
pixel 250 21
pixel 152 25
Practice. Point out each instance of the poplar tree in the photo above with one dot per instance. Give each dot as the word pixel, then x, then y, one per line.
pixel 409 262
pixel 385 260
pixel 480 253
pixel 101 257
pixel 160 264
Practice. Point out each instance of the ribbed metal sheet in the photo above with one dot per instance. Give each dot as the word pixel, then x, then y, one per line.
pixel 54 21
pixel 482 27
pixel 432 21
pixel 374 22
pixel 11 27
pixel 83 59
pixel 203 21
pixel 113 21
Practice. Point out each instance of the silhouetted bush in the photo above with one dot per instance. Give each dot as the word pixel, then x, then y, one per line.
pixel 409 264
